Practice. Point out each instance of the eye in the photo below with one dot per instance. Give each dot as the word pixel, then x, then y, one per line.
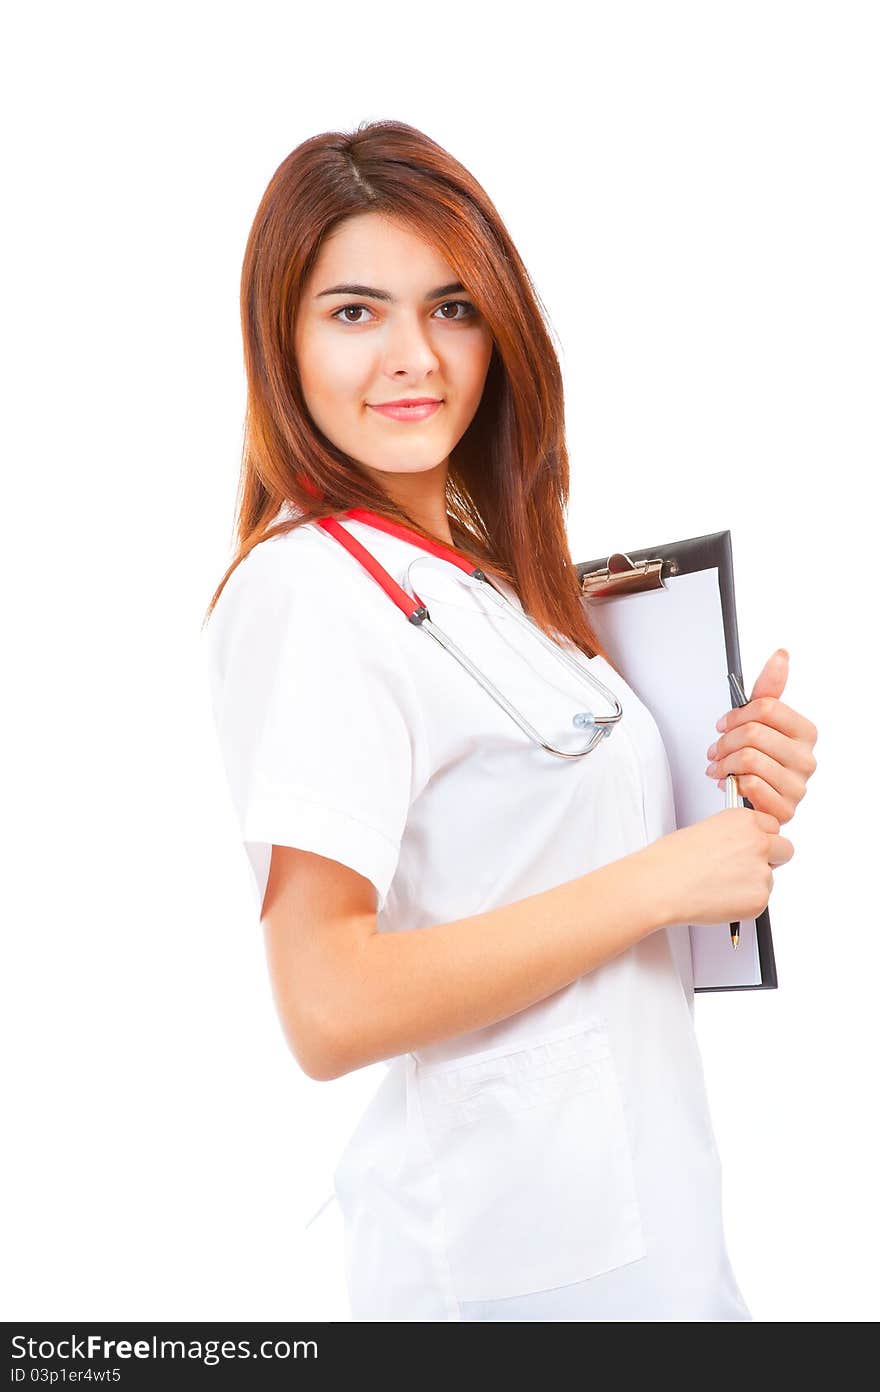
pixel 344 310
pixel 461 304
pixel 470 313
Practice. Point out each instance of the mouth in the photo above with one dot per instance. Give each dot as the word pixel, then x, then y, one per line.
pixel 416 410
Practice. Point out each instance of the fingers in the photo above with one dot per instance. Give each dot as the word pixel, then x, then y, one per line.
pixel 781 851
pixel 766 821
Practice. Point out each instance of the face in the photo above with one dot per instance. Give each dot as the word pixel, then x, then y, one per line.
pixel 403 328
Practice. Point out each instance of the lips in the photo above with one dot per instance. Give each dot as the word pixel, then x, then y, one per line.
pixel 408 411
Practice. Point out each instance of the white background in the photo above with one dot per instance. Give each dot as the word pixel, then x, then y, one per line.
pixel 693 187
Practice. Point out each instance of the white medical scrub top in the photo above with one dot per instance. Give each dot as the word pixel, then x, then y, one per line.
pixel 559 1164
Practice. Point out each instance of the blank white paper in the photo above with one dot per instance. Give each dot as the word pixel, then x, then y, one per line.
pixel 669 646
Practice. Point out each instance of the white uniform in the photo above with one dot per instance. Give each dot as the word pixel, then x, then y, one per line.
pixel 557 1165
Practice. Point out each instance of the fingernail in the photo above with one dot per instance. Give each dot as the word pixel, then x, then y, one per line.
pixel 721 724
pixel 785 652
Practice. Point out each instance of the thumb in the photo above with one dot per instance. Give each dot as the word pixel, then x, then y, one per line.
pixel 772 676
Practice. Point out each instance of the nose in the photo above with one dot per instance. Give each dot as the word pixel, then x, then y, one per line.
pixel 408 347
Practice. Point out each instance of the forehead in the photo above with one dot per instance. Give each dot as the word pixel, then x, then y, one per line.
pixel 374 249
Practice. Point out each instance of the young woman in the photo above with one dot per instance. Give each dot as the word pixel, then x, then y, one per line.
pixel 501 918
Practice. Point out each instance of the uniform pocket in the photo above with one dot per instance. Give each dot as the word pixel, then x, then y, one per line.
pixel 532 1160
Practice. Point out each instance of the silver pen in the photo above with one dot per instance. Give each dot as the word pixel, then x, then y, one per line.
pixel 731 790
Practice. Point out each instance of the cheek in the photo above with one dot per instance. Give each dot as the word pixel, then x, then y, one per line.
pixel 471 370
pixel 334 376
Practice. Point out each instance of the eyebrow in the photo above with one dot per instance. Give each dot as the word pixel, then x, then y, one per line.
pixel 370 292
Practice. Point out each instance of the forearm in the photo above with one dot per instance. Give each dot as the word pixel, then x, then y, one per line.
pixel 412 988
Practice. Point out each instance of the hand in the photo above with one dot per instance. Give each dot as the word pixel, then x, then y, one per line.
pixel 719 870
pixel 767 745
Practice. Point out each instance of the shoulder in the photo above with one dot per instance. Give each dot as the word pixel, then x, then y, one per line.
pixel 294 568
pixel 300 581
pixel 302 630
pixel 282 563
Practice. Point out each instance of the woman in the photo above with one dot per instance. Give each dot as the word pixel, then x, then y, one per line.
pixel 540 1147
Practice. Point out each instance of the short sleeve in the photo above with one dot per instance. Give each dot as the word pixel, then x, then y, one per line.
pixel 315 712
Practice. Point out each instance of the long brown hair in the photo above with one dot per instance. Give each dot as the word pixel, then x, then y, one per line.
pixel 508 476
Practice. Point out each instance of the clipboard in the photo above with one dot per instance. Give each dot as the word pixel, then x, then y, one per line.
pixel 666 615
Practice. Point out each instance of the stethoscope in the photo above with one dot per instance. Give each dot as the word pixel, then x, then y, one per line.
pixel 599 725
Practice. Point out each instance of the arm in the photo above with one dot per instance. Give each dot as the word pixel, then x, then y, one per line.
pixel 349 995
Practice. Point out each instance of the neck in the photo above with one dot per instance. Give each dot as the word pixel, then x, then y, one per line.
pixel 423 496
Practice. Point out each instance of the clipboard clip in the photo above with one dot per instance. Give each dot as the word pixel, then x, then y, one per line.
pixel 623 576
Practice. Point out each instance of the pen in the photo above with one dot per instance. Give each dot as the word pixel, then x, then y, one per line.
pixel 731 790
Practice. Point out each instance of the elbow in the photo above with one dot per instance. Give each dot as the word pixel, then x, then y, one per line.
pixel 323 1065
pixel 322 1053
pixel 322 1015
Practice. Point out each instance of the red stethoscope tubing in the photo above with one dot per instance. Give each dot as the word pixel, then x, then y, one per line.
pixel 394 591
